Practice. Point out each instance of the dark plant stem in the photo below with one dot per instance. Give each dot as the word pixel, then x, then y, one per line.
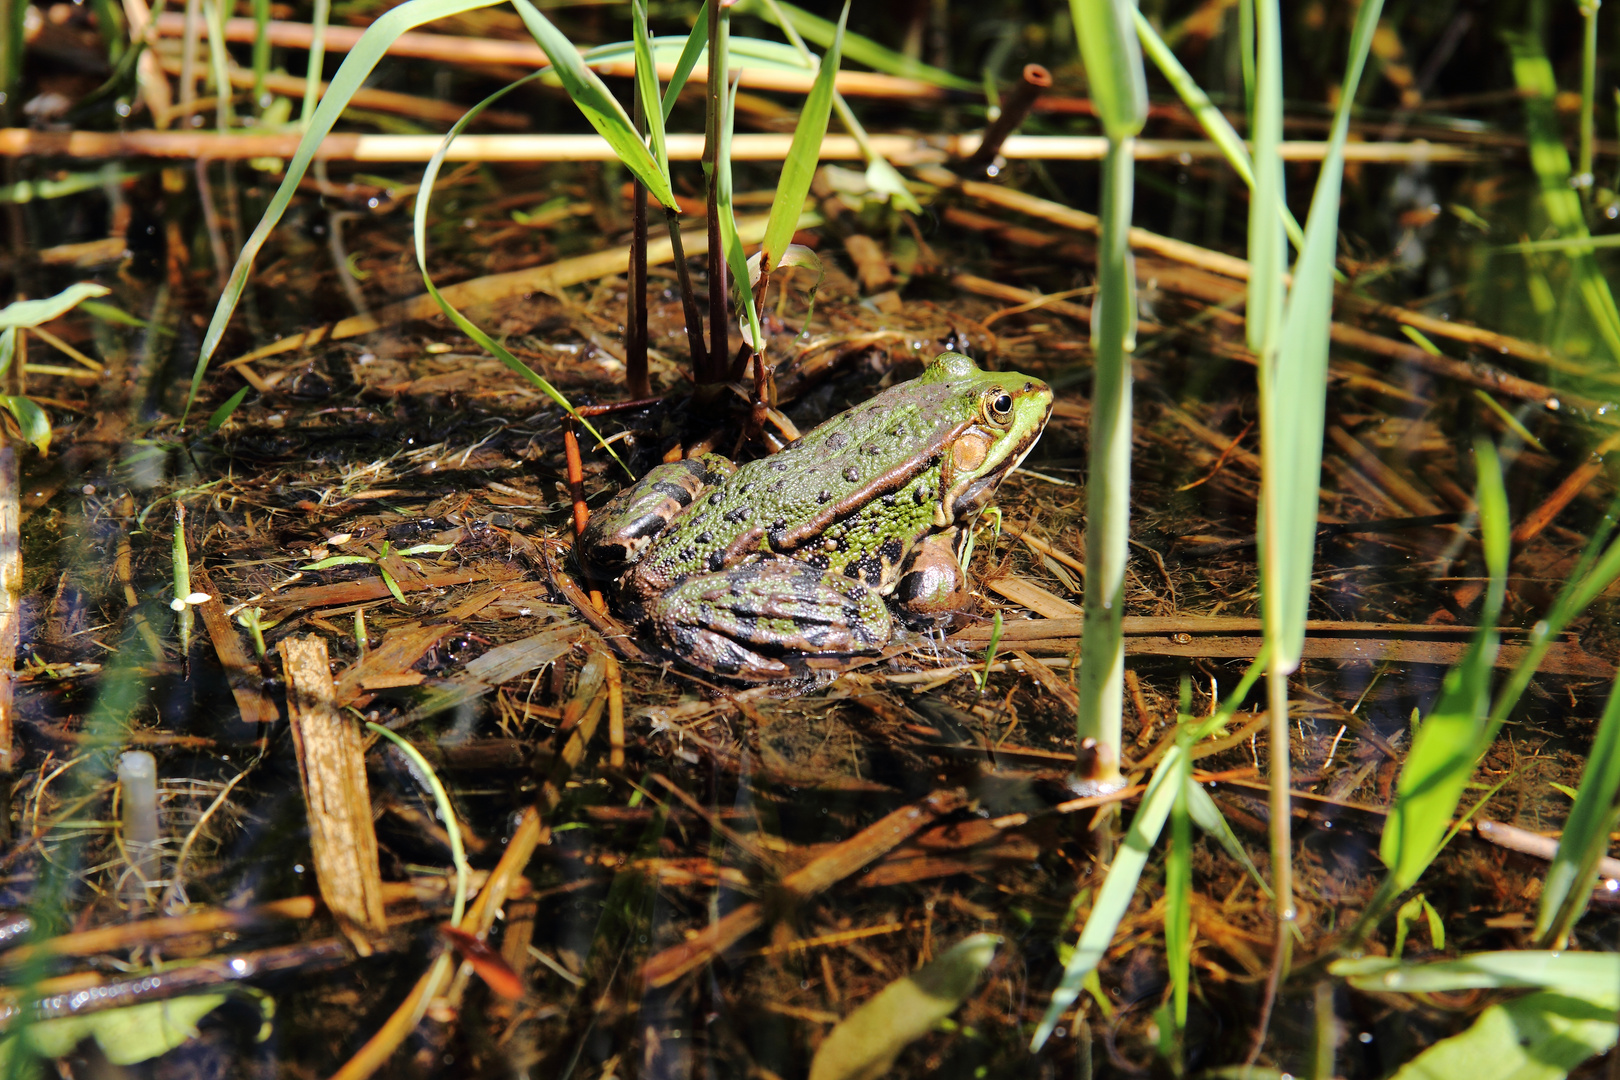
pixel 714 116
pixel 635 317
pixel 694 315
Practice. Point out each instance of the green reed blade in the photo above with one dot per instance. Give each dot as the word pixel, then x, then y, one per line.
pixel 1451 738
pixel 696 41
pixel 1589 13
pixel 317 60
pixel 1178 896
pixel 857 48
pixel 1293 378
pixel 354 71
pixel 1267 250
pixel 597 103
pixel 1533 74
pixel 1117 890
pixel 799 168
pixel 447 812
pixel 736 258
pixel 261 52
pixel 1113 60
pixel 743 52
pixel 1210 118
pixel 647 84
pixel 489 344
pixel 1567 887
pixel 1113 63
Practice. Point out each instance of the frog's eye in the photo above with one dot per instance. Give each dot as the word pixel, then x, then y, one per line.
pixel 1000 408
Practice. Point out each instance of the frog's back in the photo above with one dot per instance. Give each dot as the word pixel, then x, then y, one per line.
pixel 864 478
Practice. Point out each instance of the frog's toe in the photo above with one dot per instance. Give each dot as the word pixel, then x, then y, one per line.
pixel 716 653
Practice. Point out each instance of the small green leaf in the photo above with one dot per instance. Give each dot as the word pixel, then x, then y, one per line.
pixel 799 168
pixel 388 580
pixel 427 549
pixel 31 419
pixel 338 560
pixel 127 1036
pixel 27 313
pixel 217 418
pixel 866 1042
pixel 1540 1037
pixel 601 108
pixel 108 313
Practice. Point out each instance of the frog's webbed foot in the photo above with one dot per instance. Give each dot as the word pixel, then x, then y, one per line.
pixel 760 620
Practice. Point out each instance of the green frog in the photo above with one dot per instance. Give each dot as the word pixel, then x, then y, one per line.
pixel 789 564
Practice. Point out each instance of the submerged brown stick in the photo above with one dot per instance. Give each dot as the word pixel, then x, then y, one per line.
pixel 815 877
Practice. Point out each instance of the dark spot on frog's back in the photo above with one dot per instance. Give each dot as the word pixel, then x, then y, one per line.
pixel 891 551
pixel 837 440
pixel 705 538
pixel 778 466
pixel 717 559
pixel 823 496
pixel 737 515
pixel 852 474
pixel 871 448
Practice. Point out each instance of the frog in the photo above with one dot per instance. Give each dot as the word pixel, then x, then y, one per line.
pixel 804 561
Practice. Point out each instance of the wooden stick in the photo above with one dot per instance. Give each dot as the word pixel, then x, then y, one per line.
pixel 899 149
pixel 814 877
pixel 332 767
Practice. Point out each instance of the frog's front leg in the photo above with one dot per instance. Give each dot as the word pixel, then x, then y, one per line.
pixel 932 583
pixel 757 620
pixel 621 531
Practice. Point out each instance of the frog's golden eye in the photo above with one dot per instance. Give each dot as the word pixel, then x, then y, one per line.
pixel 999 409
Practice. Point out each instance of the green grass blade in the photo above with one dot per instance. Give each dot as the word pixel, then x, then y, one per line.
pixel 601 108
pixel 1178 895
pixel 1451 738
pixel 356 68
pixel 1572 874
pixel 317 58
pixel 1114 897
pixel 447 814
pixel 489 344
pixel 1210 118
pixel 1537 86
pixel 647 85
pixel 1293 375
pixel 736 258
pixel 1267 251
pixel 1113 61
pixel 1507 970
pixel 881 176
pixel 695 43
pixel 27 313
pixel 859 49
pixel 804 154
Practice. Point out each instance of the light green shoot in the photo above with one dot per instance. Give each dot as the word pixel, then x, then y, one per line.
pixel 447 814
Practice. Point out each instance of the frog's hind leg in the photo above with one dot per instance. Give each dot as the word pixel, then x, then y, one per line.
pixel 755 621
pixel 620 532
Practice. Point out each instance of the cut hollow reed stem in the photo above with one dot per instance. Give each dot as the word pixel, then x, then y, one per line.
pixel 1113 63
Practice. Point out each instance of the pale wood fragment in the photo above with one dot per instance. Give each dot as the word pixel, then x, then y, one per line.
pixel 332 769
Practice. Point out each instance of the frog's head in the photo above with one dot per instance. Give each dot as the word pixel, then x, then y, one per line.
pixel 1003 414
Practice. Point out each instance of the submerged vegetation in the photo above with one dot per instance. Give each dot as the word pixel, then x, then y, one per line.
pixel 1335 367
